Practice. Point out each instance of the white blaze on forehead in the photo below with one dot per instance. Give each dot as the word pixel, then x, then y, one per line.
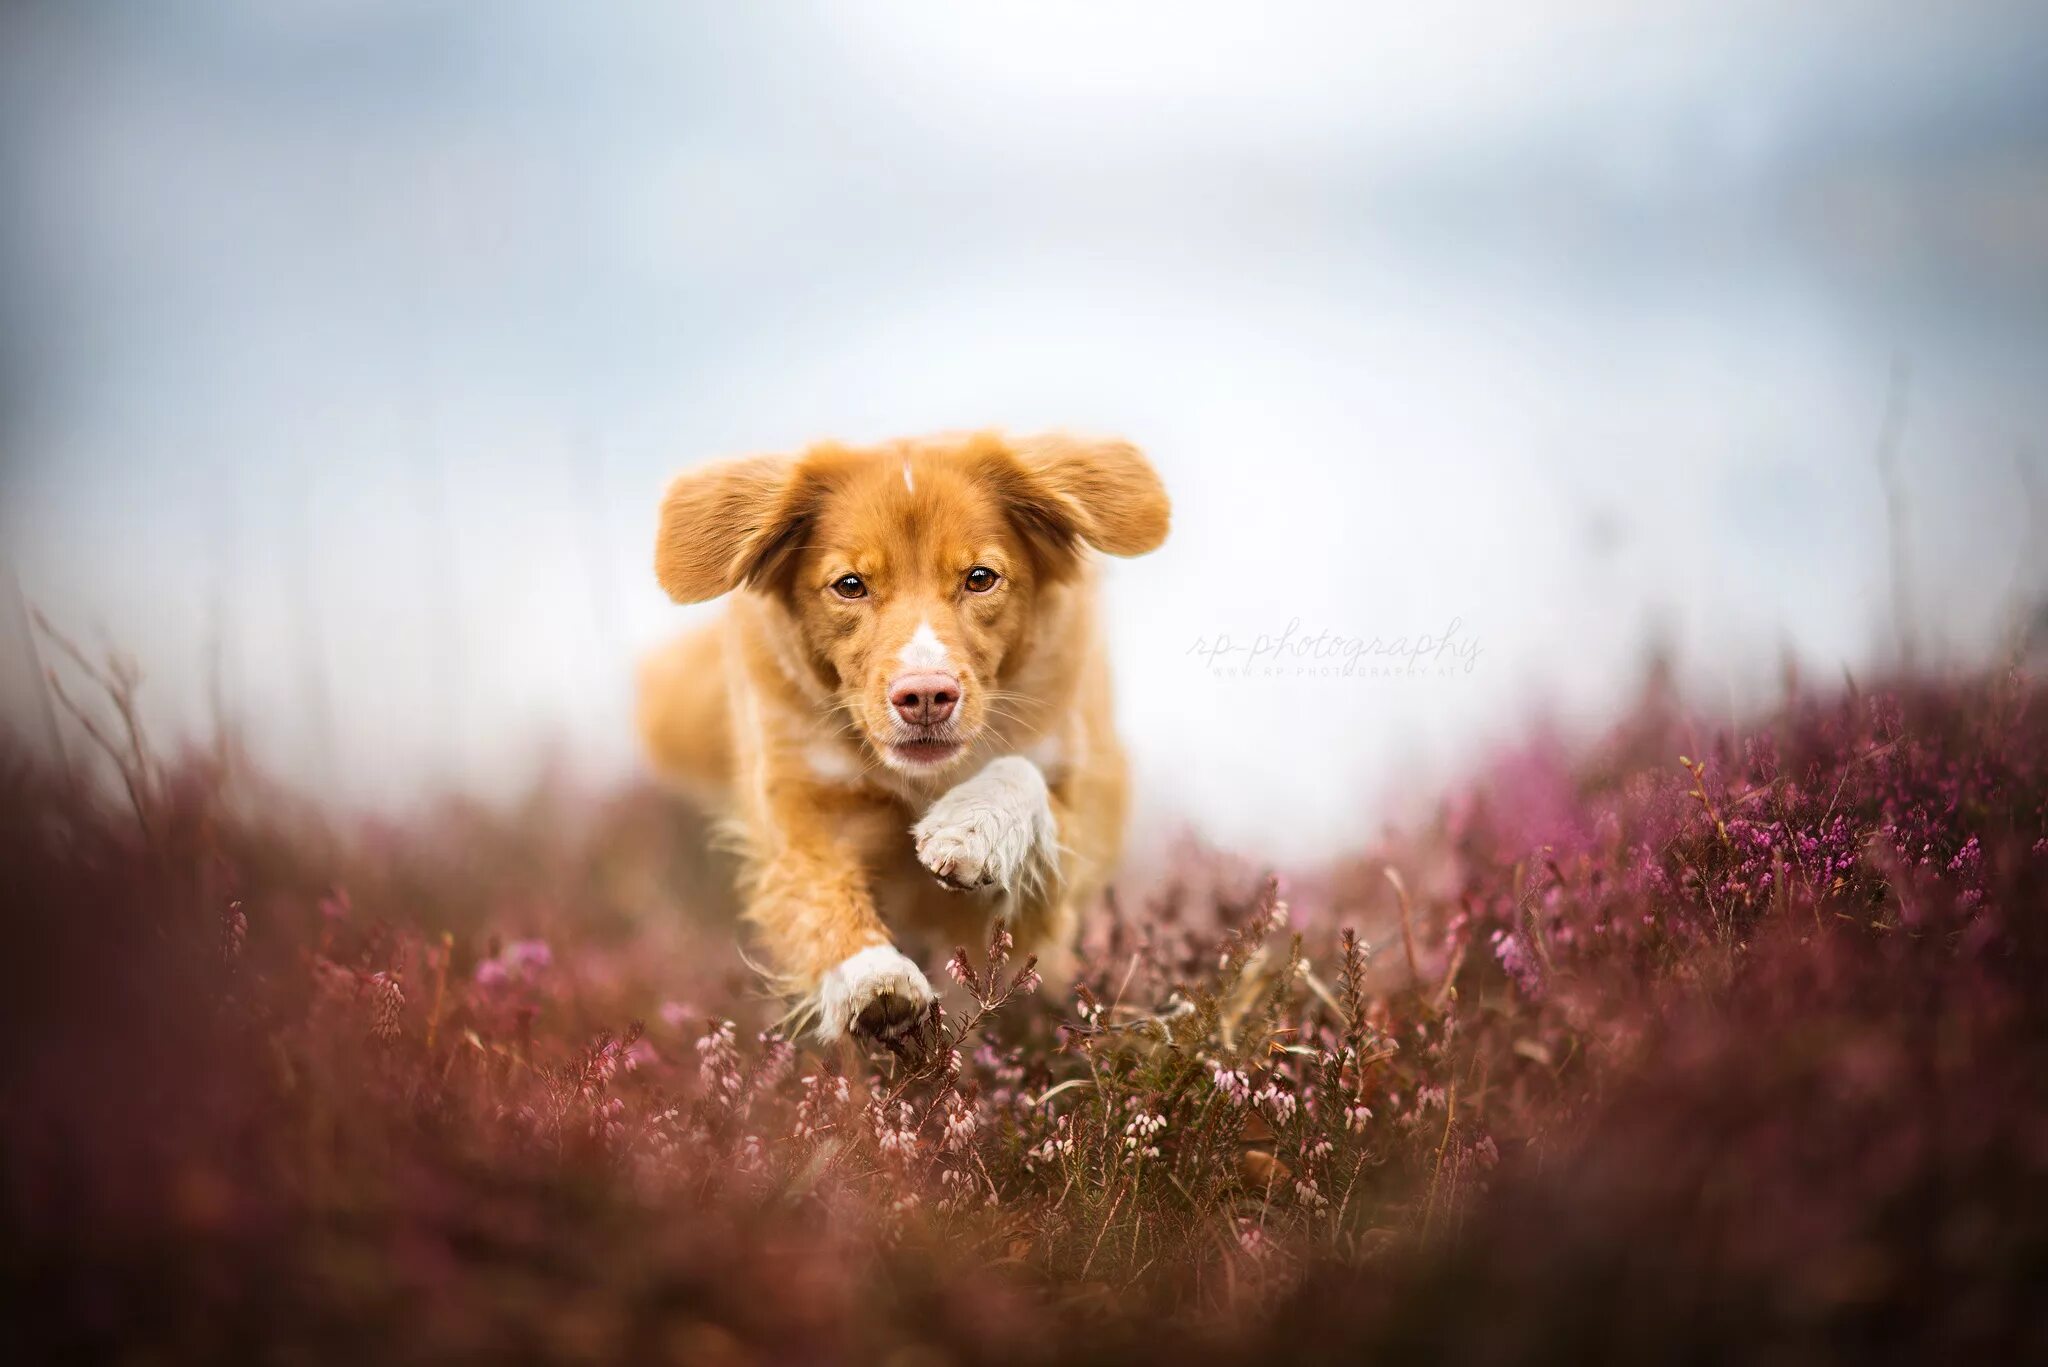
pixel 908 482
pixel 926 650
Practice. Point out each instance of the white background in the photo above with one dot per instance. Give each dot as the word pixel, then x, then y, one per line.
pixel 348 347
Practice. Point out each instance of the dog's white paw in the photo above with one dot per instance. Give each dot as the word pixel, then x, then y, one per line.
pixel 994 830
pixel 876 993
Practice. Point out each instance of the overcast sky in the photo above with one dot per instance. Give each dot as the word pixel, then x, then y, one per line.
pixel 350 344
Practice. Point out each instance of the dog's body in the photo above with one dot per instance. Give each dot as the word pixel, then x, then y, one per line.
pixel 905 712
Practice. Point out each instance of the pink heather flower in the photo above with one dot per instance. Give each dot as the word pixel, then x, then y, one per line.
pixel 637 1054
pixel 718 1064
pixel 1308 1194
pixel 778 1056
pixel 823 1094
pixel 518 962
pixel 955 1189
pixel 1234 1086
pixel 1280 1104
pixel 674 1014
pixel 604 1119
pixel 387 1005
pixel 603 1065
pixel 752 1156
pixel 961 1123
pixel 1139 1134
pixel 234 931
pixel 1000 943
pixel 962 972
pixel 1357 1117
pixel 527 956
pixel 895 1134
pixel 1521 965
pixel 1027 981
pixel 1056 1146
pixel 960 1190
pixel 1253 1240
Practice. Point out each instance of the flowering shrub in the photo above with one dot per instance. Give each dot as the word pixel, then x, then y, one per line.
pixel 1733 1039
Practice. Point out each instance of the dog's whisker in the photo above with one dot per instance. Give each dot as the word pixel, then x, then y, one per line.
pixel 1034 729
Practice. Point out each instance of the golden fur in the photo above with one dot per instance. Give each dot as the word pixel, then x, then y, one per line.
pixel 858 577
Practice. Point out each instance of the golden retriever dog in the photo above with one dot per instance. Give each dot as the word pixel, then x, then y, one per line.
pixel 904 712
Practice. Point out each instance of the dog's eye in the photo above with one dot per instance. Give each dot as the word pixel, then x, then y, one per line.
pixel 981 579
pixel 850 587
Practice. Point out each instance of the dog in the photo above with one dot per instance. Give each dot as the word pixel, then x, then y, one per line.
pixel 904 713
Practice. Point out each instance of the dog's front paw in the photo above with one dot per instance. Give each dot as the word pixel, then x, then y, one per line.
pixel 876 994
pixel 988 831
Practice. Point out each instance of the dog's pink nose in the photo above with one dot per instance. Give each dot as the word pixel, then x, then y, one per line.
pixel 925 699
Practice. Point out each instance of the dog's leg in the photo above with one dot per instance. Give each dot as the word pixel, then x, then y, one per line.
pixel 876 993
pixel 994 832
pixel 817 921
pixel 1073 831
pixel 1001 833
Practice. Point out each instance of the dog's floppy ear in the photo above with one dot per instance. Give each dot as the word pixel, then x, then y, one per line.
pixel 727 524
pixel 1102 492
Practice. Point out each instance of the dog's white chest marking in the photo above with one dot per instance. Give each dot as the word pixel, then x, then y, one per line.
pixel 993 832
pixel 830 763
pixel 1049 754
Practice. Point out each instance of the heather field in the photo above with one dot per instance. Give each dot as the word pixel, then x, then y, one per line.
pixel 1692 1041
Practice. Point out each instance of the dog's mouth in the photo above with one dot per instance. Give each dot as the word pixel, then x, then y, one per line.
pixel 925 752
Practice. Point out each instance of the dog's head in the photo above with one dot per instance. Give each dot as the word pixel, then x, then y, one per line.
pixel 909 572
